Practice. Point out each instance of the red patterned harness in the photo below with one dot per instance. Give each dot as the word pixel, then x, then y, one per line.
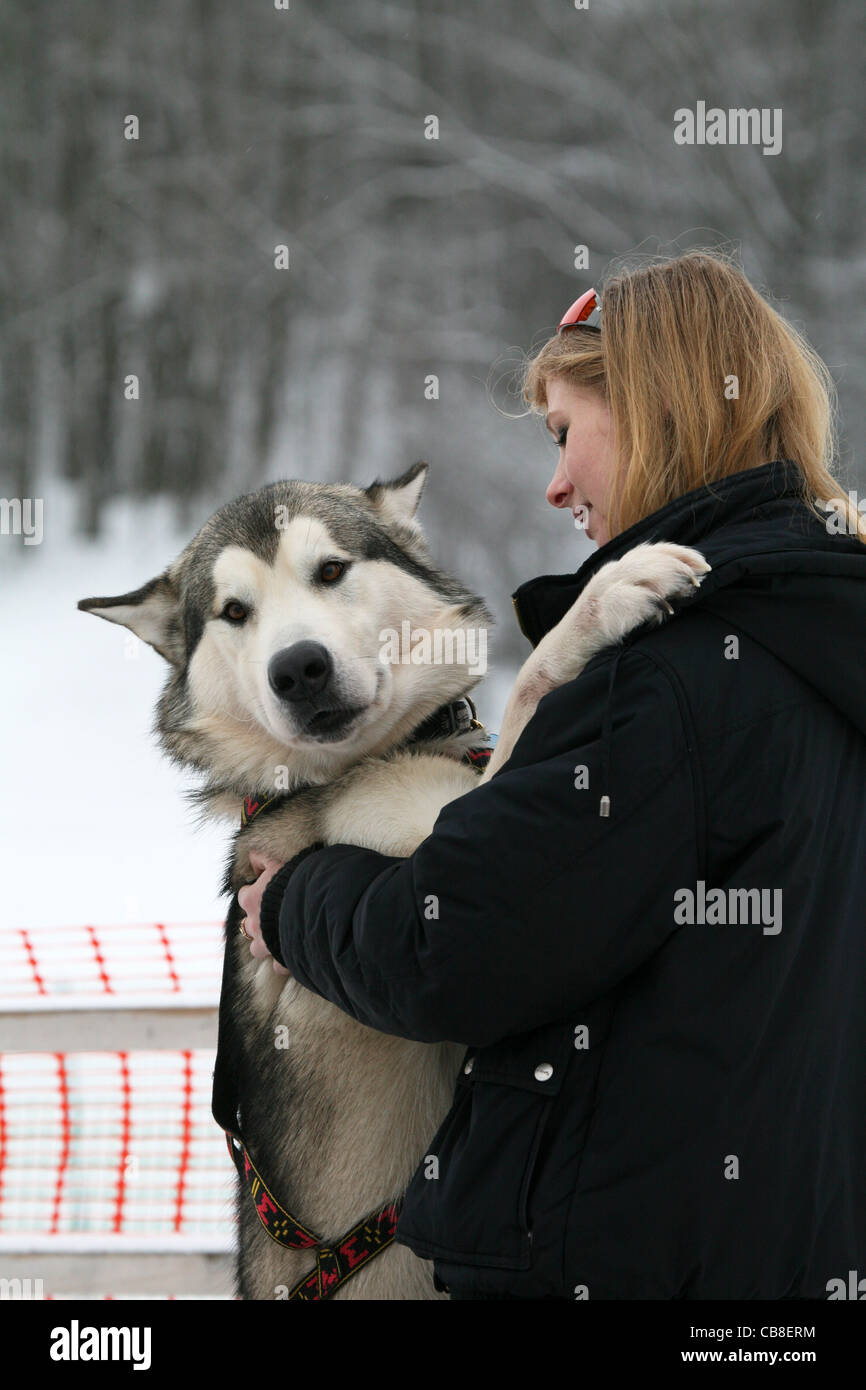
pixel 335 1263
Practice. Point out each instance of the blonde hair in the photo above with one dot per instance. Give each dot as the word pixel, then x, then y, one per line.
pixel 673 335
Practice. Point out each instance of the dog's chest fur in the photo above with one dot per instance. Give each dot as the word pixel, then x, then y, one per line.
pixel 335 1115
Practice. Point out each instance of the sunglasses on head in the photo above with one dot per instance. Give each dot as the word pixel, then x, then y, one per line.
pixel 584 313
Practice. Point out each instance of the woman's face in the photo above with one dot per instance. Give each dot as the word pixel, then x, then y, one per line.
pixel 579 420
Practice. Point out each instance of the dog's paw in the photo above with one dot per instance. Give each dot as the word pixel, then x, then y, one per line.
pixel 637 589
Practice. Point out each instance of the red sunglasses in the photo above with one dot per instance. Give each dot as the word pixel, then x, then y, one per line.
pixel 585 312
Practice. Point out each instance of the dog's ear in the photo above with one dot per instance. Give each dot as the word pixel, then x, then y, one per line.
pixel 398 499
pixel 151 612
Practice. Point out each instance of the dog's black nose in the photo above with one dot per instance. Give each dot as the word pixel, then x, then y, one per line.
pixel 300 672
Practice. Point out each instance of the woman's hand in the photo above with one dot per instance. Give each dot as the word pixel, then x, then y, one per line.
pixel 250 900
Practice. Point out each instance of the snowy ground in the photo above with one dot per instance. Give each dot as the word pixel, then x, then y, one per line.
pixel 94 826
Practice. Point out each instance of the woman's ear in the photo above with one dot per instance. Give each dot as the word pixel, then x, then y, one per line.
pixel 151 612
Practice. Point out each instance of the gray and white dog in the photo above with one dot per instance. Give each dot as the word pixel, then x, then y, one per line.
pixel 271 621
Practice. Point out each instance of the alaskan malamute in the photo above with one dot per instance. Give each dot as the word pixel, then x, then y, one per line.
pixel 272 621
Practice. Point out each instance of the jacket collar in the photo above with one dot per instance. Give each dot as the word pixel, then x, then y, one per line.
pixel 540 603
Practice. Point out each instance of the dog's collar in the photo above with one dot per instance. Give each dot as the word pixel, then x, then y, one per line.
pixel 458 717
pixel 253 806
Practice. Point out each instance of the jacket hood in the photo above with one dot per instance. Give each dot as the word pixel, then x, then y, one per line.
pixel 779 575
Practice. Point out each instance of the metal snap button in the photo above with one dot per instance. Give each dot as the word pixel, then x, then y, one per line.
pixel 544 1071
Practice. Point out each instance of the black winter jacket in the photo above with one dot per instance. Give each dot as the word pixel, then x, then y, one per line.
pixel 664 1091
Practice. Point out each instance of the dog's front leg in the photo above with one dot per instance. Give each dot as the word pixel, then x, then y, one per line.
pixel 623 595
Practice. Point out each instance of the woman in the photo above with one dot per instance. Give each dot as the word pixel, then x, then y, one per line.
pixel 663 1003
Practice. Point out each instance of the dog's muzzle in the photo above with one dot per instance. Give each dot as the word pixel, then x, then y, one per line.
pixel 302 678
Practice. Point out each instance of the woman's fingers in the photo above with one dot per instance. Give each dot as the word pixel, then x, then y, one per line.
pixel 258 949
pixel 250 901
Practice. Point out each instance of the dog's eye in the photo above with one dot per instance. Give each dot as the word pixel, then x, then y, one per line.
pixel 332 570
pixel 234 611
